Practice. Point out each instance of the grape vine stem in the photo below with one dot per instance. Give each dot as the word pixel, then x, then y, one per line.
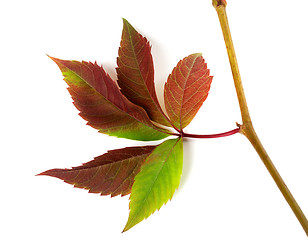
pixel 247 127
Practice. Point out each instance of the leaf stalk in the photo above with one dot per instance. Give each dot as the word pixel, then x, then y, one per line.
pixel 247 128
pixel 217 135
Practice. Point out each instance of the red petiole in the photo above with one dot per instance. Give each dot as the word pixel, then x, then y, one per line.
pixel 217 135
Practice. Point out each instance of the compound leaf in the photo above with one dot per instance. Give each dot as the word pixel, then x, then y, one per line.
pixel 129 108
pixel 186 89
pixel 156 182
pixel 136 73
pixel 102 104
pixel 111 173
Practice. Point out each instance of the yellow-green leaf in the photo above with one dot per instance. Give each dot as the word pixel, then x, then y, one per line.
pixel 157 181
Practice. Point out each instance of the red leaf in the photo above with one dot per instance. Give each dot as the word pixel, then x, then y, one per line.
pixel 111 173
pixel 186 89
pixel 136 73
pixel 102 104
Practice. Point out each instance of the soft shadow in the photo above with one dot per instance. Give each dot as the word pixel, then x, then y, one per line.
pixel 162 68
pixel 110 68
pixel 187 161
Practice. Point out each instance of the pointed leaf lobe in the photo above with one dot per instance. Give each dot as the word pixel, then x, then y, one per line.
pixel 136 73
pixel 102 104
pixel 111 173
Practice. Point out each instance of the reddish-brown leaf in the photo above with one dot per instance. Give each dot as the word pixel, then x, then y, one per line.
pixel 111 173
pixel 186 89
pixel 136 73
pixel 102 104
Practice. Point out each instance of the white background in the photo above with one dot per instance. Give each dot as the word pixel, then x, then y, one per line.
pixel 225 192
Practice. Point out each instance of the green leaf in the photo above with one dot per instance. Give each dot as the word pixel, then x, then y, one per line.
pixel 136 73
pixel 156 182
pixel 111 173
pixel 102 104
pixel 186 89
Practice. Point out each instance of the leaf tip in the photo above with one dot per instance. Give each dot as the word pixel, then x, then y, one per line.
pixel 52 58
pixel 125 22
pixel 41 174
pixel 197 54
pixel 128 27
pixel 50 172
pixel 127 227
pixel 56 60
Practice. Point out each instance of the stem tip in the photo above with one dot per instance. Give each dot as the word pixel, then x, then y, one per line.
pixel 217 3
